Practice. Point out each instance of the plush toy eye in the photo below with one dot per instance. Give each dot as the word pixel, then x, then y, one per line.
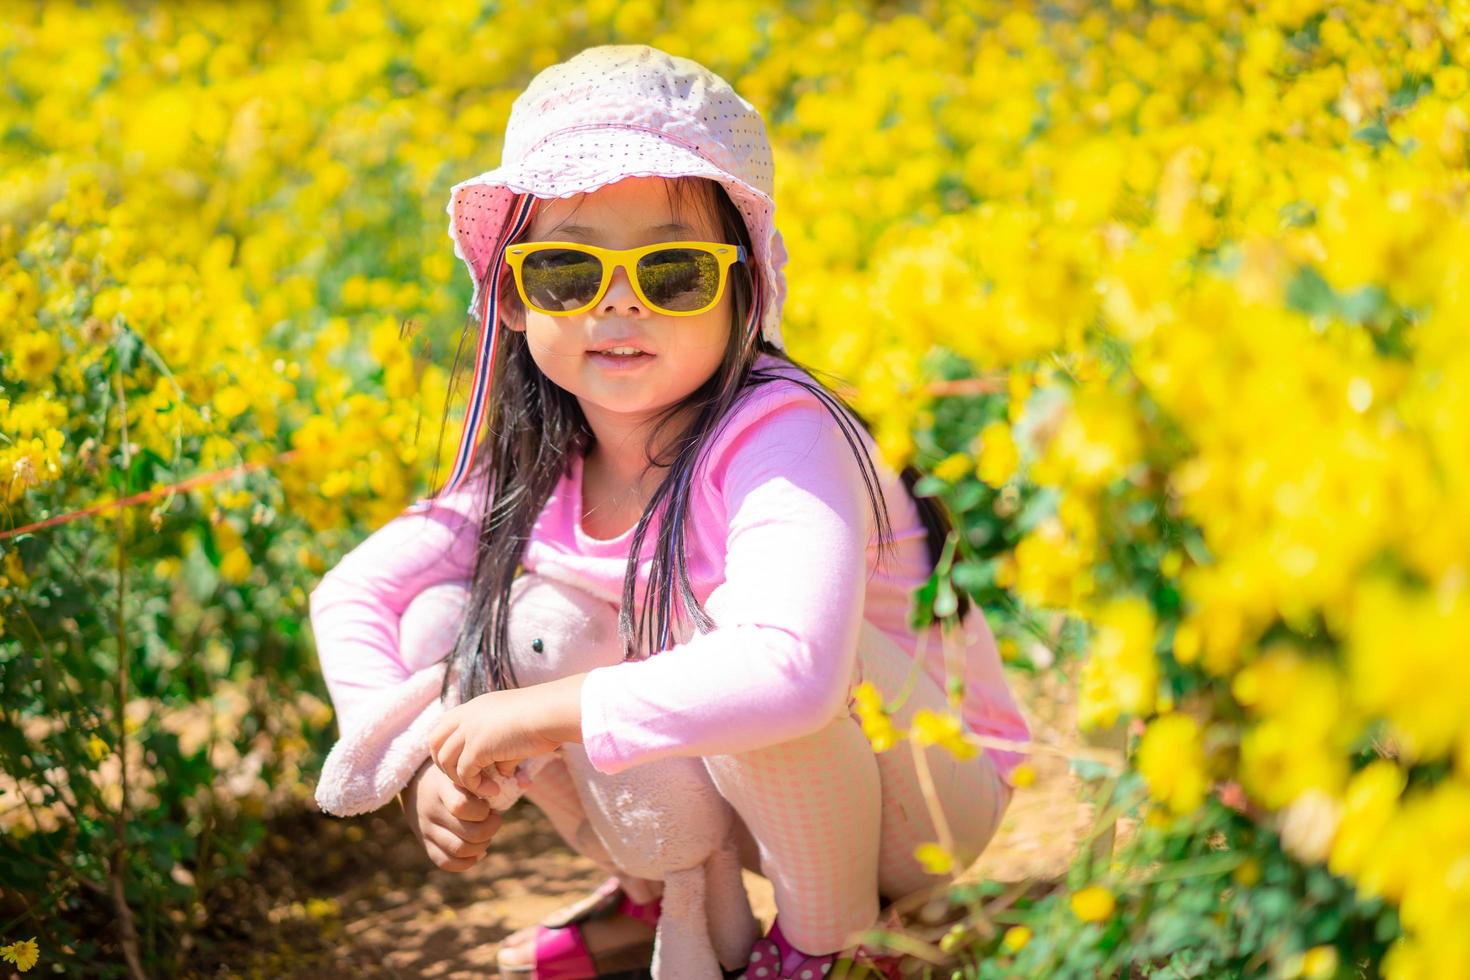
pixel 537 645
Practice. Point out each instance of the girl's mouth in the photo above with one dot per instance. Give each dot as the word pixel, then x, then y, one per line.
pixel 619 362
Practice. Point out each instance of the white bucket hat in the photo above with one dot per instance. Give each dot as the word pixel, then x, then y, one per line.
pixel 609 112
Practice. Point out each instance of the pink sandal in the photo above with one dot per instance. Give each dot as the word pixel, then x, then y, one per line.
pixel 773 958
pixel 560 952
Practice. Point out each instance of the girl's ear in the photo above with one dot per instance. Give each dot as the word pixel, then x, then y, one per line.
pixel 514 317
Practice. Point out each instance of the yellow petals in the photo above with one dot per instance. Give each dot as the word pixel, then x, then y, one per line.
pixel 34 356
pixel 1120 674
pixel 23 953
pixel 953 467
pixel 877 726
pixel 231 401
pixel 935 859
pixel 1015 939
pixel 932 728
pixel 1023 775
pixel 97 748
pixel 1171 760
pixel 998 458
pixel 1093 903
pixel 235 565
pixel 1368 806
pixel 1247 873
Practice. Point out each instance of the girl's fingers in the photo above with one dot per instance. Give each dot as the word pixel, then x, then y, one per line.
pixel 465 805
pixel 448 755
pixel 471 831
pixel 442 729
pixel 453 850
pixel 466 773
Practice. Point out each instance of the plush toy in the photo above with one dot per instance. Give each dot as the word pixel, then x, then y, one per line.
pixel 663 820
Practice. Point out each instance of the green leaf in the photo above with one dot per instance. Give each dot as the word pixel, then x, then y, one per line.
pixel 1309 293
pixel 1375 134
pixel 974 576
pixel 929 486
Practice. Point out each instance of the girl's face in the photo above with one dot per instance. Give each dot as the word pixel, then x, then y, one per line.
pixel 682 351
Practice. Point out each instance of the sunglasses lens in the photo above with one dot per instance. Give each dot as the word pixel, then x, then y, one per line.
pixel 679 279
pixel 560 278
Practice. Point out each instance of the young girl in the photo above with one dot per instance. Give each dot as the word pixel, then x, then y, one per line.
pixel 648 440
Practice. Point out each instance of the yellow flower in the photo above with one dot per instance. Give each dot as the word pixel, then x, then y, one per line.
pixel 1299 741
pixel 1016 938
pixel 998 458
pixel 1095 444
pixel 932 728
pixel 1319 961
pixel 953 467
pixel 97 748
pixel 235 565
pixel 1093 903
pixel 1120 673
pixel 1023 775
pixel 1171 760
pixel 877 726
pixel 231 401
pixel 23 953
pixel 35 355
pixel 935 859
pixel 1247 873
pixel 1368 807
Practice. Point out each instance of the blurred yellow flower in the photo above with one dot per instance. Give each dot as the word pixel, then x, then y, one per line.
pixel 34 356
pixel 1015 939
pixel 97 748
pixel 231 401
pixel 1319 962
pixel 1120 674
pixel 935 859
pixel 877 726
pixel 953 467
pixel 1171 760
pixel 1368 807
pixel 998 457
pixel 1093 903
pixel 934 728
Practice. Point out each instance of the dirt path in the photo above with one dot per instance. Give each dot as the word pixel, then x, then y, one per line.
pixel 358 898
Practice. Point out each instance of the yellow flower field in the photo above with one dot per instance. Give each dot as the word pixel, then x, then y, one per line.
pixel 1210 259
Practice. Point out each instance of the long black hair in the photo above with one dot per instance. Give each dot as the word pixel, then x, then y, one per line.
pixel 534 426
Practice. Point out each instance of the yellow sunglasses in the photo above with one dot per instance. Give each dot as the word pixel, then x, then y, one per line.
pixel 672 278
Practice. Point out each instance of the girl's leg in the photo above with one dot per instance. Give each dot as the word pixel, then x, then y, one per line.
pixel 812 805
pixel 970 793
pixel 836 824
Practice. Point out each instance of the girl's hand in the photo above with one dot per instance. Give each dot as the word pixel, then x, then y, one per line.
pixel 453 826
pixel 495 730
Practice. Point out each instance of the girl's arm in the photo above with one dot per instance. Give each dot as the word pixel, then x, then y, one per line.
pixel 355 608
pixel 789 611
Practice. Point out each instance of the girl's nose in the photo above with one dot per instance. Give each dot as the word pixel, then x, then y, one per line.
pixel 620 300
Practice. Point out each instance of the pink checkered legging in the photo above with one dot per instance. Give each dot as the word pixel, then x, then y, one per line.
pixel 831 823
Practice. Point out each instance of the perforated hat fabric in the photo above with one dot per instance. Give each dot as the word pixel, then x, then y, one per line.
pixel 623 110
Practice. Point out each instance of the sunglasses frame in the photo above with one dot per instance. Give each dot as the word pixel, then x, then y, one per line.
pixel 627 259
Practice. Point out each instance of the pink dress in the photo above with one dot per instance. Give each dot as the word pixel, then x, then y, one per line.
pixel 782 554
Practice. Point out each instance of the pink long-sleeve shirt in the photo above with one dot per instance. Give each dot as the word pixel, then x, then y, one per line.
pixel 782 553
